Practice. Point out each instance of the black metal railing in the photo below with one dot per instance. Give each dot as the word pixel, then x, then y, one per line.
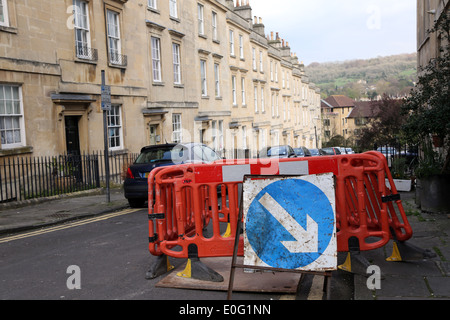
pixel 23 178
pixel 118 59
pixel 86 53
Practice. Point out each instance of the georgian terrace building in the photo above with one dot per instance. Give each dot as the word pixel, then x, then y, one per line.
pixel 179 71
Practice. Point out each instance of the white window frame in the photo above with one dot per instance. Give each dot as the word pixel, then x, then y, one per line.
pixel 156 59
pixel 221 139
pixel 215 34
pixel 232 52
pixel 255 90
pixel 15 111
pixel 177 133
pixel 5 21
pixel 254 59
pixel 243 94
pixel 276 71
pixel 152 4
pixel 173 9
pixel 115 130
pixel 176 63
pixel 82 28
pixel 241 46
pixel 234 90
pixel 203 78
pixel 263 107
pixel 217 79
pixel 113 37
pixel 261 64
pixel 201 19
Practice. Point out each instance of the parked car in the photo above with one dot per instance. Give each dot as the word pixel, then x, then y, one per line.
pixel 349 151
pixel 284 151
pixel 302 152
pixel 136 186
pixel 331 151
pixel 314 152
pixel 388 151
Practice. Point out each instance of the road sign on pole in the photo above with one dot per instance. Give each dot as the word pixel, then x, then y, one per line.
pixel 106 98
pixel 290 223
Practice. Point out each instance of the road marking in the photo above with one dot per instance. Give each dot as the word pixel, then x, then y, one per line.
pixel 68 225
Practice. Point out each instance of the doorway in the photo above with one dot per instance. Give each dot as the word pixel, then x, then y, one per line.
pixel 73 159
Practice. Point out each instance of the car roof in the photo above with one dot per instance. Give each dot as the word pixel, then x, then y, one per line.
pixel 171 145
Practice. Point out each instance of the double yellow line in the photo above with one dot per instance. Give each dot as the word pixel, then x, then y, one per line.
pixel 67 225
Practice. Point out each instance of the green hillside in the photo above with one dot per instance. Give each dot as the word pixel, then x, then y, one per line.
pixel 394 75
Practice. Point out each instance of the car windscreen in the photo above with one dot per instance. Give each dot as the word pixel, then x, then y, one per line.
pixel 276 151
pixel 299 152
pixel 153 155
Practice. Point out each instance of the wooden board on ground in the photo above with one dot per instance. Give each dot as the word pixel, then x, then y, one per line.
pixel 263 282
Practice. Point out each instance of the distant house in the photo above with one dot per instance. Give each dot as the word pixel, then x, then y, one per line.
pixel 361 115
pixel 344 116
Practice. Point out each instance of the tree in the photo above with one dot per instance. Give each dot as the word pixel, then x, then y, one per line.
pixel 385 124
pixel 428 106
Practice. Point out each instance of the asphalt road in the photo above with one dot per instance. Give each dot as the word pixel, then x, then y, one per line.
pixel 101 258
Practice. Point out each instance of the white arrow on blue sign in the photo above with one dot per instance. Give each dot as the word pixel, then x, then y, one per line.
pixel 290 223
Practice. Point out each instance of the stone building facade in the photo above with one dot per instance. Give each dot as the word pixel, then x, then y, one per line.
pixel 179 71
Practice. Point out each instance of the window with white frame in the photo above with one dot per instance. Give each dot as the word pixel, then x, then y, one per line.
pixel 271 70
pixel 114 43
pixel 81 27
pixel 277 99
pixel 12 130
pixel 276 71
pixel 217 79
pixel 4 18
pixel 176 63
pixel 233 90
pixel 115 128
pixel 173 10
pixel 273 104
pixel 255 90
pixel 201 20
pixel 214 135
pixel 243 91
pixel 241 46
pixel 176 128
pixel 220 138
pixel 263 107
pixel 215 34
pixel 203 78
pixel 254 58
pixel 261 64
pixel 156 59
pixel 232 43
pixel 152 4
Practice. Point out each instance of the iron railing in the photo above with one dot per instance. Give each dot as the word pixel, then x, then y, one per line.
pixel 23 178
pixel 86 53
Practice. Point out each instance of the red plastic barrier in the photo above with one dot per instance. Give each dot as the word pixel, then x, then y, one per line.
pixel 185 199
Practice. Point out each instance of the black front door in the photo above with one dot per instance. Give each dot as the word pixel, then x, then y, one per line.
pixel 72 135
pixel 73 160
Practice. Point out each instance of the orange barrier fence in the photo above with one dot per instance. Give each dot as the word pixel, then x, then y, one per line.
pixel 184 200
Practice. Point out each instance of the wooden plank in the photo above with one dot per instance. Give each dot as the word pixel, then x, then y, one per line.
pixel 262 282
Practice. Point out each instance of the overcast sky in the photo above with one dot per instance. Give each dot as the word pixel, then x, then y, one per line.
pixel 339 30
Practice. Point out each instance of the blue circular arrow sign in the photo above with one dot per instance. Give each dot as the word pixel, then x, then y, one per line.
pixel 290 223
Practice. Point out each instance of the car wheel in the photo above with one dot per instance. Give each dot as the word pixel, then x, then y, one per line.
pixel 136 203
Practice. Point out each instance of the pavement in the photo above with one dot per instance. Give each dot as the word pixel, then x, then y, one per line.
pixel 424 279
pixel 39 213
